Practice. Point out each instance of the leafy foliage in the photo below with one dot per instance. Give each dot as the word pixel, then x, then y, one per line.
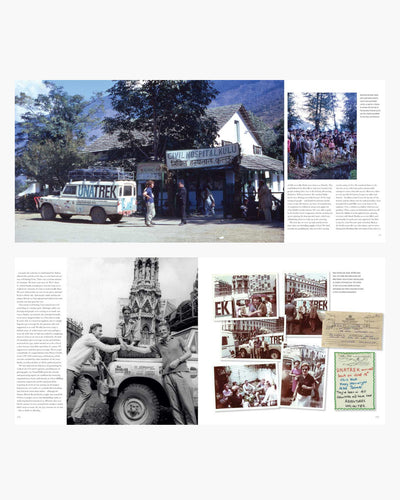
pixel 350 111
pixel 52 134
pixel 293 117
pixel 154 116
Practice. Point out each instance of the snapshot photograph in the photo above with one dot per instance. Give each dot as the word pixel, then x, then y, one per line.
pixel 240 386
pixel 132 337
pixel 252 338
pixel 149 161
pixel 303 376
pixel 245 296
pixel 306 302
pixel 322 135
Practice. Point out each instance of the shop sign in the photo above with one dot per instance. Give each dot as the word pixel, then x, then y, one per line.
pixel 147 171
pixel 200 158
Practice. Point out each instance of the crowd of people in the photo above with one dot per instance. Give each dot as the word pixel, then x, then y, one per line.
pixel 301 317
pixel 248 395
pixel 258 307
pixel 312 147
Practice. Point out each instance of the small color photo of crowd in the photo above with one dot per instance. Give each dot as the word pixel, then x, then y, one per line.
pixel 242 386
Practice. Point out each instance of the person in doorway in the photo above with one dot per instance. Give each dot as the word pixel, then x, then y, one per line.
pixel 176 376
pixel 181 195
pixel 265 201
pixel 209 202
pixel 86 348
pixel 148 197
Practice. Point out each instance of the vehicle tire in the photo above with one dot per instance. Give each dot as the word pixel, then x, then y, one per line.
pixel 274 354
pixel 47 212
pixel 98 215
pixel 115 218
pixel 136 405
pixel 243 353
pixel 65 216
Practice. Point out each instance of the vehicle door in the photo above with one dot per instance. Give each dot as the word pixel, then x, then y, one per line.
pixel 127 198
pixel 66 204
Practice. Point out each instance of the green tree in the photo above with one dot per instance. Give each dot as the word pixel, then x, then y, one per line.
pixel 293 117
pixel 319 108
pixel 350 111
pixel 51 134
pixel 154 116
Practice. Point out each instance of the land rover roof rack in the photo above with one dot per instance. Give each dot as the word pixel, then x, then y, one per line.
pixel 100 174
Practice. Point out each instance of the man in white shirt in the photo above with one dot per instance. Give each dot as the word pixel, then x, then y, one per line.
pixel 86 348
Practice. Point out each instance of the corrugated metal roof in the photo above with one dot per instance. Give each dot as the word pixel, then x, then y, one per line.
pixel 261 162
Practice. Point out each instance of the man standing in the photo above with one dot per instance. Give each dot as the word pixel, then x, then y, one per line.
pixel 181 201
pixel 176 375
pixel 128 330
pixel 290 313
pixel 319 371
pixel 84 349
pixel 265 201
pixel 148 197
pixel 313 317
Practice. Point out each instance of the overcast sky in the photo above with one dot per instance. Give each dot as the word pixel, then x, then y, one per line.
pixel 95 285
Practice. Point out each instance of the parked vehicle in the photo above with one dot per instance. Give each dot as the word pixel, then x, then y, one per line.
pixel 275 345
pixel 100 199
pixel 136 384
pixel 229 345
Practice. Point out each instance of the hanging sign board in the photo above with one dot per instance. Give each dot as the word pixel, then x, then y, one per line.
pixel 199 158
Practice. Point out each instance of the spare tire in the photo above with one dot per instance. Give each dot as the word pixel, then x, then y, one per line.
pixel 137 404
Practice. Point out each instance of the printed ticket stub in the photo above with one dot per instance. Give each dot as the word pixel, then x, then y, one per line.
pixel 352 330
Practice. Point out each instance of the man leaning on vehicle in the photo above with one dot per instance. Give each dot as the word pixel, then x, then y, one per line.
pixel 176 375
pixel 86 348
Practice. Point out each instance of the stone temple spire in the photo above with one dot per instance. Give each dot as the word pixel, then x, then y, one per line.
pixel 145 295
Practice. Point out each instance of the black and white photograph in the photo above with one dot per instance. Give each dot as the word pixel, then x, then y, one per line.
pixel 241 386
pixel 149 160
pixel 322 135
pixel 132 341
pixel 306 302
pixel 245 296
pixel 303 376
pixel 252 338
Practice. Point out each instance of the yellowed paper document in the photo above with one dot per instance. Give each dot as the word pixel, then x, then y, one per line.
pixel 352 330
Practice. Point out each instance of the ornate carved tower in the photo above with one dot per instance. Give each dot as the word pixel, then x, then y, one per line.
pixel 144 298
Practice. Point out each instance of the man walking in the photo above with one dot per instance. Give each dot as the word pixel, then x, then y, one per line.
pixel 148 197
pixel 176 375
pixel 181 201
pixel 84 349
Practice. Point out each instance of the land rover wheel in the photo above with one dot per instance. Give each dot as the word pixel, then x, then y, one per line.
pixel 137 405
pixel 274 354
pixel 243 353
pixel 115 218
pixel 98 215
pixel 47 212
pixel 65 216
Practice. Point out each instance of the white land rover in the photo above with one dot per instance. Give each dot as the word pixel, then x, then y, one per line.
pixel 98 199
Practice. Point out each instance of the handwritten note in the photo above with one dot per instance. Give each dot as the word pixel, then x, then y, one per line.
pixel 352 330
pixel 354 380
